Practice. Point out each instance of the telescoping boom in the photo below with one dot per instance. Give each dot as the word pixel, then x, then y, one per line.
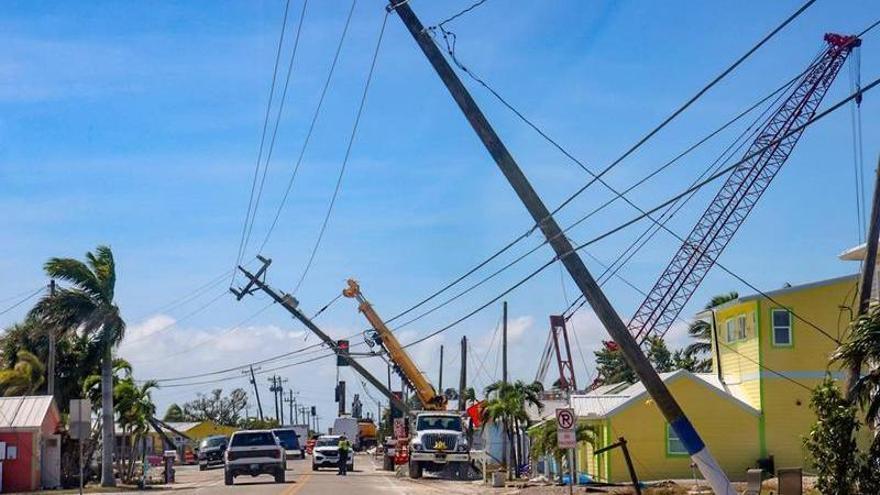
pixel 429 397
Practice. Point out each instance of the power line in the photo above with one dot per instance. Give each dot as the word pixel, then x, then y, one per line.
pixel 641 216
pixel 311 129
pixel 22 301
pixel 214 338
pixel 180 320
pixel 281 103
pixel 461 13
pixel 351 138
pixel 244 227
pixel 579 247
pixel 632 149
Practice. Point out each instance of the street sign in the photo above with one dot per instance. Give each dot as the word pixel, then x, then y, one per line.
pixel 566 423
pixel 80 418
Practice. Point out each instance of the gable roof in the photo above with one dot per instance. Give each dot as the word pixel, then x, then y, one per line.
pixel 780 292
pixel 25 411
pixel 606 401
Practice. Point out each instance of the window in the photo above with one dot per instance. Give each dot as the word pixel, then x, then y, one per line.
pixel 674 445
pixel 439 423
pixel 741 327
pixel 736 328
pixel 253 439
pixel 782 327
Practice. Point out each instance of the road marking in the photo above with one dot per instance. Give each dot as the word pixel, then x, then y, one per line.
pixel 298 484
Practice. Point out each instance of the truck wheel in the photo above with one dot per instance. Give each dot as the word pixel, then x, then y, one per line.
pixel 314 467
pixel 203 467
pixel 415 470
pixel 387 463
pixel 461 471
pixel 279 476
pixel 228 478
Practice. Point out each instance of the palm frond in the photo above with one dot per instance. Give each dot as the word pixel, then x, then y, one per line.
pixel 75 272
pixel 104 267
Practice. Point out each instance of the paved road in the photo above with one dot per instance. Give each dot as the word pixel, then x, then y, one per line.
pixel 301 480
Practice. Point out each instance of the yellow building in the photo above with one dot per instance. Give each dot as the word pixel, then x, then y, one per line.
pixel 195 431
pixel 768 351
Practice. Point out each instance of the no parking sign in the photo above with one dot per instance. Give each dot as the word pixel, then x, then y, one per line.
pixel 566 423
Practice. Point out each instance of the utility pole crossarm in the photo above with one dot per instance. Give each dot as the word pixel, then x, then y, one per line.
pixel 565 252
pixel 290 303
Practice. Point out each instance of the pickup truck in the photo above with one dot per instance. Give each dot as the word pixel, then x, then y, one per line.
pixel 254 452
pixel 439 443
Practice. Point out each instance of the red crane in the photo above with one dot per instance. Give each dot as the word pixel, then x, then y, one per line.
pixel 745 185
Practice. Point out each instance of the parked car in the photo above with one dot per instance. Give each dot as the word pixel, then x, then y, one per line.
pixel 254 452
pixel 211 450
pixel 290 441
pixel 326 453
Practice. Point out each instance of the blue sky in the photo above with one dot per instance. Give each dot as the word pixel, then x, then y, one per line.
pixel 137 125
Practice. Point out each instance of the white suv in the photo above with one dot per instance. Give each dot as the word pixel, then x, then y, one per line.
pixel 326 453
pixel 254 452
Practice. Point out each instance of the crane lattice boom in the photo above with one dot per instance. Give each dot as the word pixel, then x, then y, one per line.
pixel 745 185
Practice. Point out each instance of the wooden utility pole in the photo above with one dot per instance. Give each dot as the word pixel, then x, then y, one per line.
pixel 53 337
pixel 440 381
pixel 462 376
pixel 291 404
pixel 505 449
pixel 257 394
pixel 504 342
pixel 866 282
pixel 290 304
pixel 274 389
pixel 544 220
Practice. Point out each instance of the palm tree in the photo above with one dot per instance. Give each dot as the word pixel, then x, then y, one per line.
pixel 701 332
pixel 544 440
pixel 508 408
pixel 88 306
pixel 135 408
pixel 863 348
pixel 24 378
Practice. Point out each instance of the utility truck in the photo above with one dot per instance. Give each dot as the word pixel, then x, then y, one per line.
pixel 438 439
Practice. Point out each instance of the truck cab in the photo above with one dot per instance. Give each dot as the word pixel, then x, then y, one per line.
pixel 439 443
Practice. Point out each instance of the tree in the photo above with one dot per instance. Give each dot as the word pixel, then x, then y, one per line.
pixel 831 441
pixel 88 306
pixel 174 413
pixel 505 404
pixel 134 408
pixel 701 332
pixel 24 378
pixel 611 366
pixel 863 348
pixel 659 354
pixel 214 407
pixel 544 440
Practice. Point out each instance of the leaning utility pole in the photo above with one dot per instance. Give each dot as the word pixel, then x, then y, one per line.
pixel 256 392
pixel 462 376
pixel 289 303
pixel 566 253
pixel 867 279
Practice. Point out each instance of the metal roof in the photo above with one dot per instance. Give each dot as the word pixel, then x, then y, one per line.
pixel 25 411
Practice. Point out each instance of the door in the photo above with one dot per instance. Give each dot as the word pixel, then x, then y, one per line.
pixel 50 465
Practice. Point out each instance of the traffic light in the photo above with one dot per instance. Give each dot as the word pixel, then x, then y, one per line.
pixel 341 350
pixel 313 411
